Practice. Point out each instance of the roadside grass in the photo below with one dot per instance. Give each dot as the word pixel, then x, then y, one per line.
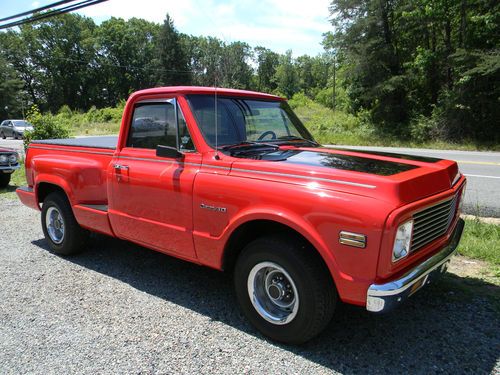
pixel 341 128
pixel 482 241
pixel 18 178
pixel 95 128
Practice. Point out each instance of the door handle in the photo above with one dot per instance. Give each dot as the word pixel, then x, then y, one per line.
pixel 120 167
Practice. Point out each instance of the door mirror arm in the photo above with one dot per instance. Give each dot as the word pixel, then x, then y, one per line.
pixel 168 152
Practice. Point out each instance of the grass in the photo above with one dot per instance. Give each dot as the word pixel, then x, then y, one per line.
pixel 18 178
pixel 482 241
pixel 95 128
pixel 341 128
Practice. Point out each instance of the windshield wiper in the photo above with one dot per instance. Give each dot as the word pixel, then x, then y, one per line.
pixel 249 144
pixel 295 138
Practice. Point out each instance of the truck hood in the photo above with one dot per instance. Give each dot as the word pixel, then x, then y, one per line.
pixel 395 178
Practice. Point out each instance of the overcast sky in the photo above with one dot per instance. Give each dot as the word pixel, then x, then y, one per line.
pixel 276 24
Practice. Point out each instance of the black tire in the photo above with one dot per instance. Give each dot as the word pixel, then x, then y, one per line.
pixel 4 180
pixel 312 280
pixel 2 135
pixel 74 238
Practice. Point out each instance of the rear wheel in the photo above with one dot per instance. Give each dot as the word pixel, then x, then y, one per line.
pixel 4 180
pixel 61 230
pixel 284 289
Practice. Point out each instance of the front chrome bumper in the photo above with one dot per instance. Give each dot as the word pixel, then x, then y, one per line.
pixel 9 168
pixel 384 297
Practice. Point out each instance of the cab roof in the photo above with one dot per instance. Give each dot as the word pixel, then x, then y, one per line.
pixel 186 90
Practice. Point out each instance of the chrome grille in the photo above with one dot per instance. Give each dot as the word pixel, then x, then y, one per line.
pixel 432 222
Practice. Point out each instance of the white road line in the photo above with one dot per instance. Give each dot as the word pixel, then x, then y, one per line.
pixel 478 175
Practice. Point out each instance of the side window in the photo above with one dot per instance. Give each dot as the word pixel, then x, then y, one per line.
pixel 185 140
pixel 153 124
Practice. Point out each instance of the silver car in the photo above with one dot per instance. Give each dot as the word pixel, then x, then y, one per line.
pixel 14 128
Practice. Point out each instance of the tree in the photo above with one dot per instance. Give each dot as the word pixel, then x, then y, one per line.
pixel 286 78
pixel 126 57
pixel 172 60
pixel 10 91
pixel 267 62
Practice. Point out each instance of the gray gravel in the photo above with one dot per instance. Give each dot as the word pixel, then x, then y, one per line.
pixel 119 308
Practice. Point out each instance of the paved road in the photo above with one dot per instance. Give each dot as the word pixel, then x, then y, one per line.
pixel 481 168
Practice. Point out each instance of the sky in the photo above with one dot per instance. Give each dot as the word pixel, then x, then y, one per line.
pixel 279 25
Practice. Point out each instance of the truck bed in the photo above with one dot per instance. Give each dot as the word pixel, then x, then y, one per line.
pixel 108 141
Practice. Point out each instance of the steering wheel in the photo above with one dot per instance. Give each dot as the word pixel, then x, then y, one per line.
pixel 265 134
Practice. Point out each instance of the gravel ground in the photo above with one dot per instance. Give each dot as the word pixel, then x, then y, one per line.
pixel 119 308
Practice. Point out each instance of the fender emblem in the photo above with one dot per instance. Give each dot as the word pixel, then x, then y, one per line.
pixel 213 208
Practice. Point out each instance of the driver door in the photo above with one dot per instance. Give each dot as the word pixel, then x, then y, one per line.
pixel 151 196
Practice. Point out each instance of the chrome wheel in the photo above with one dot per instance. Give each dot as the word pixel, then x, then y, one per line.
pixel 273 293
pixel 55 225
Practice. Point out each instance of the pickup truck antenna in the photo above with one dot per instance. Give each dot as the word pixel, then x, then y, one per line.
pixel 216 156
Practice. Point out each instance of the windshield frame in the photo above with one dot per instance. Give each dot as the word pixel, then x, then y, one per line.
pixel 283 104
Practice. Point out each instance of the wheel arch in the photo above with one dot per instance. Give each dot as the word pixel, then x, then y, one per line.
pixel 250 230
pixel 43 189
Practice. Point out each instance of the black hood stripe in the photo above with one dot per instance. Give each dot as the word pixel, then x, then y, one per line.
pixel 425 159
pixel 335 161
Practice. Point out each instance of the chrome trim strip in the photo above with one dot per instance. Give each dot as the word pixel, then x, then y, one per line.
pixel 305 177
pixel 163 100
pixel 97 207
pixel 422 270
pixel 167 161
pixel 251 171
pixel 352 239
pixel 9 167
pixel 456 179
pixel 69 150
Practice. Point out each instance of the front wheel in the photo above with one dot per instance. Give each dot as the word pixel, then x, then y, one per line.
pixel 4 180
pixel 60 228
pixel 284 289
pixel 2 134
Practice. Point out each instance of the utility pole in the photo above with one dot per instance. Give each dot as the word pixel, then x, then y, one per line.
pixel 334 95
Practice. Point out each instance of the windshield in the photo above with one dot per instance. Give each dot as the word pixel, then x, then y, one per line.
pixel 246 120
pixel 21 124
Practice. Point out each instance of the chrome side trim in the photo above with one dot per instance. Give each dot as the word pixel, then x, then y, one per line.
pixel 455 180
pixel 69 150
pixel 251 171
pixel 352 239
pixel 306 177
pixel 152 101
pixel 382 297
pixel 97 207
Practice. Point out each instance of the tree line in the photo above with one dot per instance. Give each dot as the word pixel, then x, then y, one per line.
pixel 415 68
pixel 69 60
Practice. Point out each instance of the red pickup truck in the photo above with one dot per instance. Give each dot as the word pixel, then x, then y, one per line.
pixel 233 180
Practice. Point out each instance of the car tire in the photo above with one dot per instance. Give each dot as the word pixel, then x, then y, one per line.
pixel 284 288
pixel 60 228
pixel 2 135
pixel 4 180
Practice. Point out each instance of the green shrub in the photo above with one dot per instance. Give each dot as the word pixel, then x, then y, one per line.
pixel 45 126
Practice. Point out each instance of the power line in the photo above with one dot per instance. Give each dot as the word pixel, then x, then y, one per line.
pixel 52 13
pixel 36 10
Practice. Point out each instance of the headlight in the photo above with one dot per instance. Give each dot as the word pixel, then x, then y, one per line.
pixel 13 159
pixel 4 159
pixel 402 241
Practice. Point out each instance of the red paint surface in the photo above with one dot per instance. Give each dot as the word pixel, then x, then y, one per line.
pixel 156 203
